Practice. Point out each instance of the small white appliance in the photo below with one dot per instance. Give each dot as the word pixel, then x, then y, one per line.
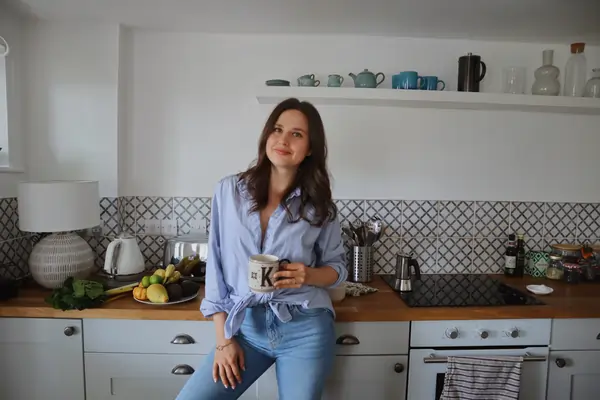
pixel 59 207
pixel 124 257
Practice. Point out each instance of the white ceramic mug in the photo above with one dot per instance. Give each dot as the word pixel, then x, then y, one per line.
pixel 261 269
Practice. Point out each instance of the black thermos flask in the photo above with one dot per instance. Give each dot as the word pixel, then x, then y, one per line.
pixel 471 71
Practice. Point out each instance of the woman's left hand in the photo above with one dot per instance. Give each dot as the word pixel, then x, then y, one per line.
pixel 292 276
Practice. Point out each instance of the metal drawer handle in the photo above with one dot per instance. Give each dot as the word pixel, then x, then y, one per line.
pixel 398 368
pixel 183 339
pixel 347 340
pixel 560 362
pixel 598 337
pixel 182 369
pixel 440 360
pixel 69 331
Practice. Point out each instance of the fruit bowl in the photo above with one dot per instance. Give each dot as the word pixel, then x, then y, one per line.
pixel 168 303
pixel 164 287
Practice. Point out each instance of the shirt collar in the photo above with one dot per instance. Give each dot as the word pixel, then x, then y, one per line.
pixel 243 189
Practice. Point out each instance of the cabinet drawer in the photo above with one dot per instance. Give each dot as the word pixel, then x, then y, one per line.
pixel 47 331
pixel 140 376
pixel 354 338
pixel 575 334
pixel 135 336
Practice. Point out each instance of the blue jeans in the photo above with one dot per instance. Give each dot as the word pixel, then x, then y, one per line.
pixel 302 349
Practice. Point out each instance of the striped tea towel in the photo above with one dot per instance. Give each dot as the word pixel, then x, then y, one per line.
pixel 482 378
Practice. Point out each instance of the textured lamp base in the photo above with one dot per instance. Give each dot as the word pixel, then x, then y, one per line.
pixel 60 256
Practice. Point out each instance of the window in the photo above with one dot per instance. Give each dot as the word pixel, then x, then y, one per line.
pixel 3 109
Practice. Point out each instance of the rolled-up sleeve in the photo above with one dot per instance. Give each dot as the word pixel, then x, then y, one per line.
pixel 216 298
pixel 330 251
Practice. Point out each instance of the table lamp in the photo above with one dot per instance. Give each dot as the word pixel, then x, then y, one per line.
pixel 60 207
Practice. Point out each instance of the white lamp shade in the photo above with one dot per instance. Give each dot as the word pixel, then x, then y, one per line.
pixel 58 206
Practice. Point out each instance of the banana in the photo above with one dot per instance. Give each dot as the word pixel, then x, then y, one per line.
pixel 122 289
pixel 174 278
pixel 169 272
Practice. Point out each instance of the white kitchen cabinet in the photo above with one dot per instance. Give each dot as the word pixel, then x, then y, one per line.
pixel 159 337
pixel 41 359
pixel 354 378
pixel 575 334
pixel 129 376
pixel 368 377
pixel 574 375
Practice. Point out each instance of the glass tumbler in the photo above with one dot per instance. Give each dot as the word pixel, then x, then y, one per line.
pixel 513 80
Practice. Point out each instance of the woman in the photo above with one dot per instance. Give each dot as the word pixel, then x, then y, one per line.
pixel 281 206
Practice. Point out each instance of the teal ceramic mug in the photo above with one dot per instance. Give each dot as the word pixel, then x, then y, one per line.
pixel 335 80
pixel 408 80
pixel 432 83
pixel 308 80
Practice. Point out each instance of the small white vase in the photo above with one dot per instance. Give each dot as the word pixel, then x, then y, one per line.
pixel 546 77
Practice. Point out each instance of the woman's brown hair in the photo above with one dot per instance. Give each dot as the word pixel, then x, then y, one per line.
pixel 312 177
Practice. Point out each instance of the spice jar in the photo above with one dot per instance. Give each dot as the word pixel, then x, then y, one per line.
pixel 572 273
pixel 555 268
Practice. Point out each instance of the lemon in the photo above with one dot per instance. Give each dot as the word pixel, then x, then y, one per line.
pixel 155 279
pixel 157 294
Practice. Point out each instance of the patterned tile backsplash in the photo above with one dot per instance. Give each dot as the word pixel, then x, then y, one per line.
pixel 445 236
pixel 15 246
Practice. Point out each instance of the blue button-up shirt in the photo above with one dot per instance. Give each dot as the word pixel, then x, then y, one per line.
pixel 235 235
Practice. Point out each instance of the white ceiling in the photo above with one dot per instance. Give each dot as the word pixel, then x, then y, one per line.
pixel 559 21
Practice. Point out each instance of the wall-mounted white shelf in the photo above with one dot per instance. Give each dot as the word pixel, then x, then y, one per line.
pixel 429 99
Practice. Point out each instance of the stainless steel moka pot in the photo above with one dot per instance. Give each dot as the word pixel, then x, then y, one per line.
pixel 404 275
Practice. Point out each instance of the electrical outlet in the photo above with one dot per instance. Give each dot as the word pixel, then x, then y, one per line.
pixel 198 225
pixel 152 227
pixel 168 227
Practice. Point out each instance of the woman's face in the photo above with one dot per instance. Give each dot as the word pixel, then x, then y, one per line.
pixel 289 144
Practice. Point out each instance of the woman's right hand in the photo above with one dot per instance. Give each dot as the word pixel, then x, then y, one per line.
pixel 229 360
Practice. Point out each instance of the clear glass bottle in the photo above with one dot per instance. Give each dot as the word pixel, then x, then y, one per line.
pixel 575 72
pixel 592 87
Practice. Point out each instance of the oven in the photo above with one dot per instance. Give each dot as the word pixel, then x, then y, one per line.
pixel 433 341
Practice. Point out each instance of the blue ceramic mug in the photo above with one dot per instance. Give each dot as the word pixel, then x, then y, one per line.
pixel 432 82
pixel 407 80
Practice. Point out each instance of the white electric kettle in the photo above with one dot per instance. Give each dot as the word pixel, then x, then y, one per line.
pixel 123 256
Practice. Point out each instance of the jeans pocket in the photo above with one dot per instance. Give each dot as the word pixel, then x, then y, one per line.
pixel 310 312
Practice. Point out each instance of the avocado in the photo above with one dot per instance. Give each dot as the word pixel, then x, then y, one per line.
pixel 175 292
pixel 189 288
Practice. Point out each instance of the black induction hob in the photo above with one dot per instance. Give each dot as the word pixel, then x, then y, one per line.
pixel 461 290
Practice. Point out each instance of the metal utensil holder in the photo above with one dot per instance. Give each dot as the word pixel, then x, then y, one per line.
pixel 362 263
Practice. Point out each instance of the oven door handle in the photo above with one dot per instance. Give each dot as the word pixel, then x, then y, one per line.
pixel 432 359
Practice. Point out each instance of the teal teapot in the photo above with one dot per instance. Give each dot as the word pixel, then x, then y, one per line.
pixel 367 79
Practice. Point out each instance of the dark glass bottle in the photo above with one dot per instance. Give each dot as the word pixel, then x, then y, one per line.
pixel 520 269
pixel 510 257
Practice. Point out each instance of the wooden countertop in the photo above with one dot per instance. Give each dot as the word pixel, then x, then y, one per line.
pixel 567 301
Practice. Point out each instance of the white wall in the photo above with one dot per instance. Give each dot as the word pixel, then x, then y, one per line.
pixel 72 85
pixel 192 117
pixel 168 114
pixel 11 28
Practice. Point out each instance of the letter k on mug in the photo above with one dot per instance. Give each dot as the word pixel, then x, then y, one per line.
pixel 261 268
